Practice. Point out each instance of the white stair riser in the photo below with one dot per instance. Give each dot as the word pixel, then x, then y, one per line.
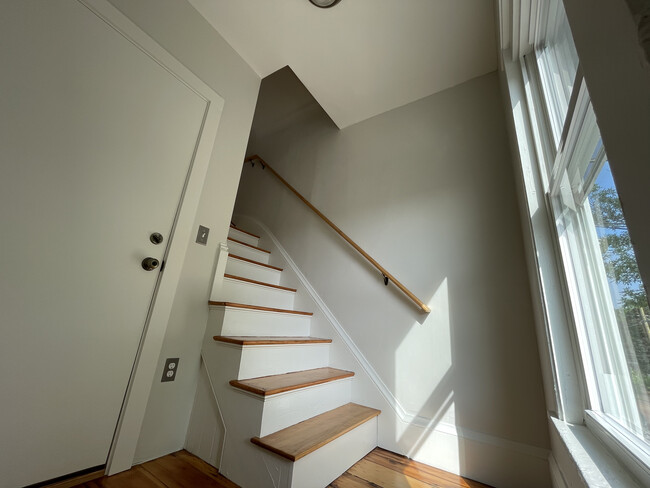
pixel 247 414
pixel 229 321
pixel 242 236
pixel 268 360
pixel 248 252
pixel 252 271
pixel 286 409
pixel 252 294
pixel 324 465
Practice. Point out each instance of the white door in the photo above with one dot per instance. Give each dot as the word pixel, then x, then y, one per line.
pixel 96 140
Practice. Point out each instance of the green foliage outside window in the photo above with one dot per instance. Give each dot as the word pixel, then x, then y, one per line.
pixel 623 273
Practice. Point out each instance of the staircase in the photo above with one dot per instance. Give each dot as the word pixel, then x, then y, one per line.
pixel 289 419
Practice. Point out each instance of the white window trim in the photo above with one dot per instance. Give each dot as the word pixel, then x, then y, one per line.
pixel 519 35
pixel 566 372
pixel 593 314
pixel 596 311
pixel 594 463
pixel 629 451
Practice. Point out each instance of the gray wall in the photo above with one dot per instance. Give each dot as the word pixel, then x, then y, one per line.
pixel 187 35
pixel 426 189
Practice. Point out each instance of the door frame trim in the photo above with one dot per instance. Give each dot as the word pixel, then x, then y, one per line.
pixel 127 432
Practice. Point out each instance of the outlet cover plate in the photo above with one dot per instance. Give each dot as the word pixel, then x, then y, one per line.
pixel 171 370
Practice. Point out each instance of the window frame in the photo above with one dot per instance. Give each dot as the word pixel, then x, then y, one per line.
pixel 629 450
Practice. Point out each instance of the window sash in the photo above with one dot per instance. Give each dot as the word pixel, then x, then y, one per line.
pixel 605 369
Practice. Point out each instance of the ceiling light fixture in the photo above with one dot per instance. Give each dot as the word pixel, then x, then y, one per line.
pixel 324 3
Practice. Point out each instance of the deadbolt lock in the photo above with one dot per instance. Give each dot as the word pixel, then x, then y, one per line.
pixel 156 238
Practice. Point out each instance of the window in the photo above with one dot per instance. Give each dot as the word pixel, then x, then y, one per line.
pixel 608 299
pixel 557 60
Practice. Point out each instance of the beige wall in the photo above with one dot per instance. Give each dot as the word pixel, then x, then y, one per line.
pixel 186 35
pixel 427 189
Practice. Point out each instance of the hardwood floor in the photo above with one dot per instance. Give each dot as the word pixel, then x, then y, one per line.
pixel 385 469
pixel 379 469
pixel 178 470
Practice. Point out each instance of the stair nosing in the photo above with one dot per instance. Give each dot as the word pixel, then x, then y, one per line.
pixel 258 307
pixel 270 340
pixel 244 231
pixel 260 441
pixel 249 245
pixel 248 280
pixel 241 385
pixel 252 261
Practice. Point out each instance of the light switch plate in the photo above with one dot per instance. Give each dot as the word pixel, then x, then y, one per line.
pixel 171 370
pixel 202 235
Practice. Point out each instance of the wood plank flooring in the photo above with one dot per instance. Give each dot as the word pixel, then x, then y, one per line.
pixel 178 470
pixel 385 469
pixel 379 469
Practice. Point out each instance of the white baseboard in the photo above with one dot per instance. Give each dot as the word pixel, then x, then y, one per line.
pixel 406 417
pixel 557 478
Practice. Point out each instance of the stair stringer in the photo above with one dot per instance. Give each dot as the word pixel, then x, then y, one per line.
pixel 241 461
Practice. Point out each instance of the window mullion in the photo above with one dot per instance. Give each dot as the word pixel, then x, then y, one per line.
pixel 573 126
pixel 540 119
pixel 575 94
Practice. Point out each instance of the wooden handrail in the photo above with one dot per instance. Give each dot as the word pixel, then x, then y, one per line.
pixel 387 276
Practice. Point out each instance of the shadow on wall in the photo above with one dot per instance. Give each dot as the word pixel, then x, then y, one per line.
pixel 427 190
pixel 427 353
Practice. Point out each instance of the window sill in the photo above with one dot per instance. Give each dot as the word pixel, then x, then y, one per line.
pixel 628 450
pixel 593 461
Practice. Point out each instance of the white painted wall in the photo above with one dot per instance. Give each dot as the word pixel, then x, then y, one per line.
pixel 427 190
pixel 186 35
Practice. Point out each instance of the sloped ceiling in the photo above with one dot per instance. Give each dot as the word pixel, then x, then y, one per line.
pixel 362 57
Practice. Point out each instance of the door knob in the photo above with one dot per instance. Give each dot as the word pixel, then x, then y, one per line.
pixel 149 264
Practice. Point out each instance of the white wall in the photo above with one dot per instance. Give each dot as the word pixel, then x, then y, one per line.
pixel 186 35
pixel 427 190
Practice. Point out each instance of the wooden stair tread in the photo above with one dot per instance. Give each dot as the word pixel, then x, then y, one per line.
pixel 270 340
pixel 257 307
pixel 249 245
pixel 280 383
pixel 244 231
pixel 248 280
pixel 252 261
pixel 297 441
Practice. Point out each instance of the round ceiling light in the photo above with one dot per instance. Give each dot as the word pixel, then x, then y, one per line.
pixel 324 3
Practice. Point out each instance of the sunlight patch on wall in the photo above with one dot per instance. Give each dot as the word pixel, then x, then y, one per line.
pixel 424 380
pixel 423 361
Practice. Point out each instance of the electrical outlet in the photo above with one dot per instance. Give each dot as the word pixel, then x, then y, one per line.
pixel 171 369
pixel 202 235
